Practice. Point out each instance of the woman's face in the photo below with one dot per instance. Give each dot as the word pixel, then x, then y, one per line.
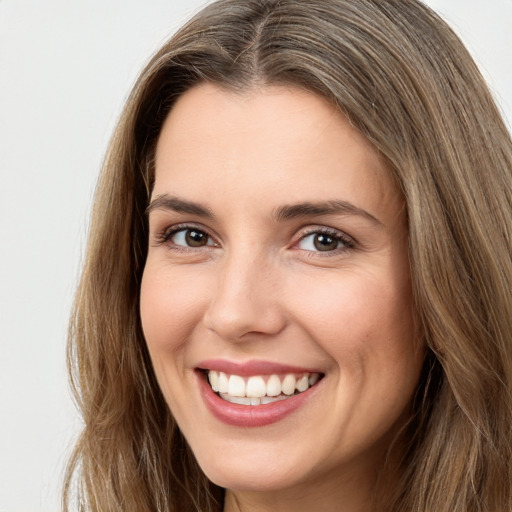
pixel 277 268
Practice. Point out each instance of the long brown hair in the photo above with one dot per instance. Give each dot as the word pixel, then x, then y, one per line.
pixel 406 82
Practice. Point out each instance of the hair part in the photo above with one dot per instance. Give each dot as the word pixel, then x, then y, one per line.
pixel 402 78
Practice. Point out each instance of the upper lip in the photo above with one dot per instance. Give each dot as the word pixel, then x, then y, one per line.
pixel 252 367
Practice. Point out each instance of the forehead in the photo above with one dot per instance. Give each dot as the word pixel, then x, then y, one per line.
pixel 276 142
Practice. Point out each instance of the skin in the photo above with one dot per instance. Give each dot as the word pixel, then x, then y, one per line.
pixel 260 289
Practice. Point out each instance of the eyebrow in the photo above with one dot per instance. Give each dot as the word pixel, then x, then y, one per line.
pixel 334 207
pixel 282 213
pixel 166 202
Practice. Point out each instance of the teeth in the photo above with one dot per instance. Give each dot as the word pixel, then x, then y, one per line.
pixel 259 389
pixel 288 385
pixel 223 383
pixel 273 386
pixel 303 384
pixel 256 387
pixel 242 400
pixel 270 399
pixel 236 386
pixel 213 377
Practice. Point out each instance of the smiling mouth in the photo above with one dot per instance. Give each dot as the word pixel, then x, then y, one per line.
pixel 259 389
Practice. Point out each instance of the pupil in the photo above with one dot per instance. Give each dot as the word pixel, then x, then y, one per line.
pixel 325 242
pixel 195 238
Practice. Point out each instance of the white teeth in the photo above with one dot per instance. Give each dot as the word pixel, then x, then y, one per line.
pixel 273 386
pixel 256 387
pixel 222 383
pixel 271 399
pixel 288 385
pixel 303 384
pixel 255 391
pixel 242 400
pixel 236 386
pixel 213 377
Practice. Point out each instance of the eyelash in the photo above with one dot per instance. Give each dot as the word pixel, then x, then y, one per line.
pixel 164 238
pixel 340 237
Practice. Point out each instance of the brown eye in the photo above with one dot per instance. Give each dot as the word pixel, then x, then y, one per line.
pixel 195 238
pixel 324 242
pixel 190 237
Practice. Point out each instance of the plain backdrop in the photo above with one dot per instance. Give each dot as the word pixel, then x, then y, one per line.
pixel 65 69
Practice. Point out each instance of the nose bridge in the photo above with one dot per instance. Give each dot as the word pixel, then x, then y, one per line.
pixel 246 296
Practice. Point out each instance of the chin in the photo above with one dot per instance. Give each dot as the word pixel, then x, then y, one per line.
pixel 252 480
pixel 250 475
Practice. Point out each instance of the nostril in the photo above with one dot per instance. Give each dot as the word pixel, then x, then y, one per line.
pixel 244 303
pixel 239 323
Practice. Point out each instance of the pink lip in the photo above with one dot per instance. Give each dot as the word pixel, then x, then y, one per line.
pixel 248 415
pixel 253 367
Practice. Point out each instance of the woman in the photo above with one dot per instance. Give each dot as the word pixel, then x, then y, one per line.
pixel 296 293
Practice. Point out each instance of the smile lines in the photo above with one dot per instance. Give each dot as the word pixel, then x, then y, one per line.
pixel 260 389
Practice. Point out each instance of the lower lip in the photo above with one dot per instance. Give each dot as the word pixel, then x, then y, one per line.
pixel 251 415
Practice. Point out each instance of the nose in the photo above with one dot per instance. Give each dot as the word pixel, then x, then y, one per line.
pixel 245 300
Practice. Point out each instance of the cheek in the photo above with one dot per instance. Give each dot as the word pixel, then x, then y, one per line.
pixel 170 309
pixel 365 324
pixel 353 306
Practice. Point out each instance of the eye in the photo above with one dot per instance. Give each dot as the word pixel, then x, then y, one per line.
pixel 189 237
pixel 324 241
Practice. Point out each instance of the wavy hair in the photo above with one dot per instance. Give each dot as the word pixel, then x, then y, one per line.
pixel 403 78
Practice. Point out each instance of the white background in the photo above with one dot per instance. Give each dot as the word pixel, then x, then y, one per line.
pixel 65 70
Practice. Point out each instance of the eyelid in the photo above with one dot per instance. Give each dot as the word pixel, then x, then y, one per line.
pixel 164 236
pixel 347 240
